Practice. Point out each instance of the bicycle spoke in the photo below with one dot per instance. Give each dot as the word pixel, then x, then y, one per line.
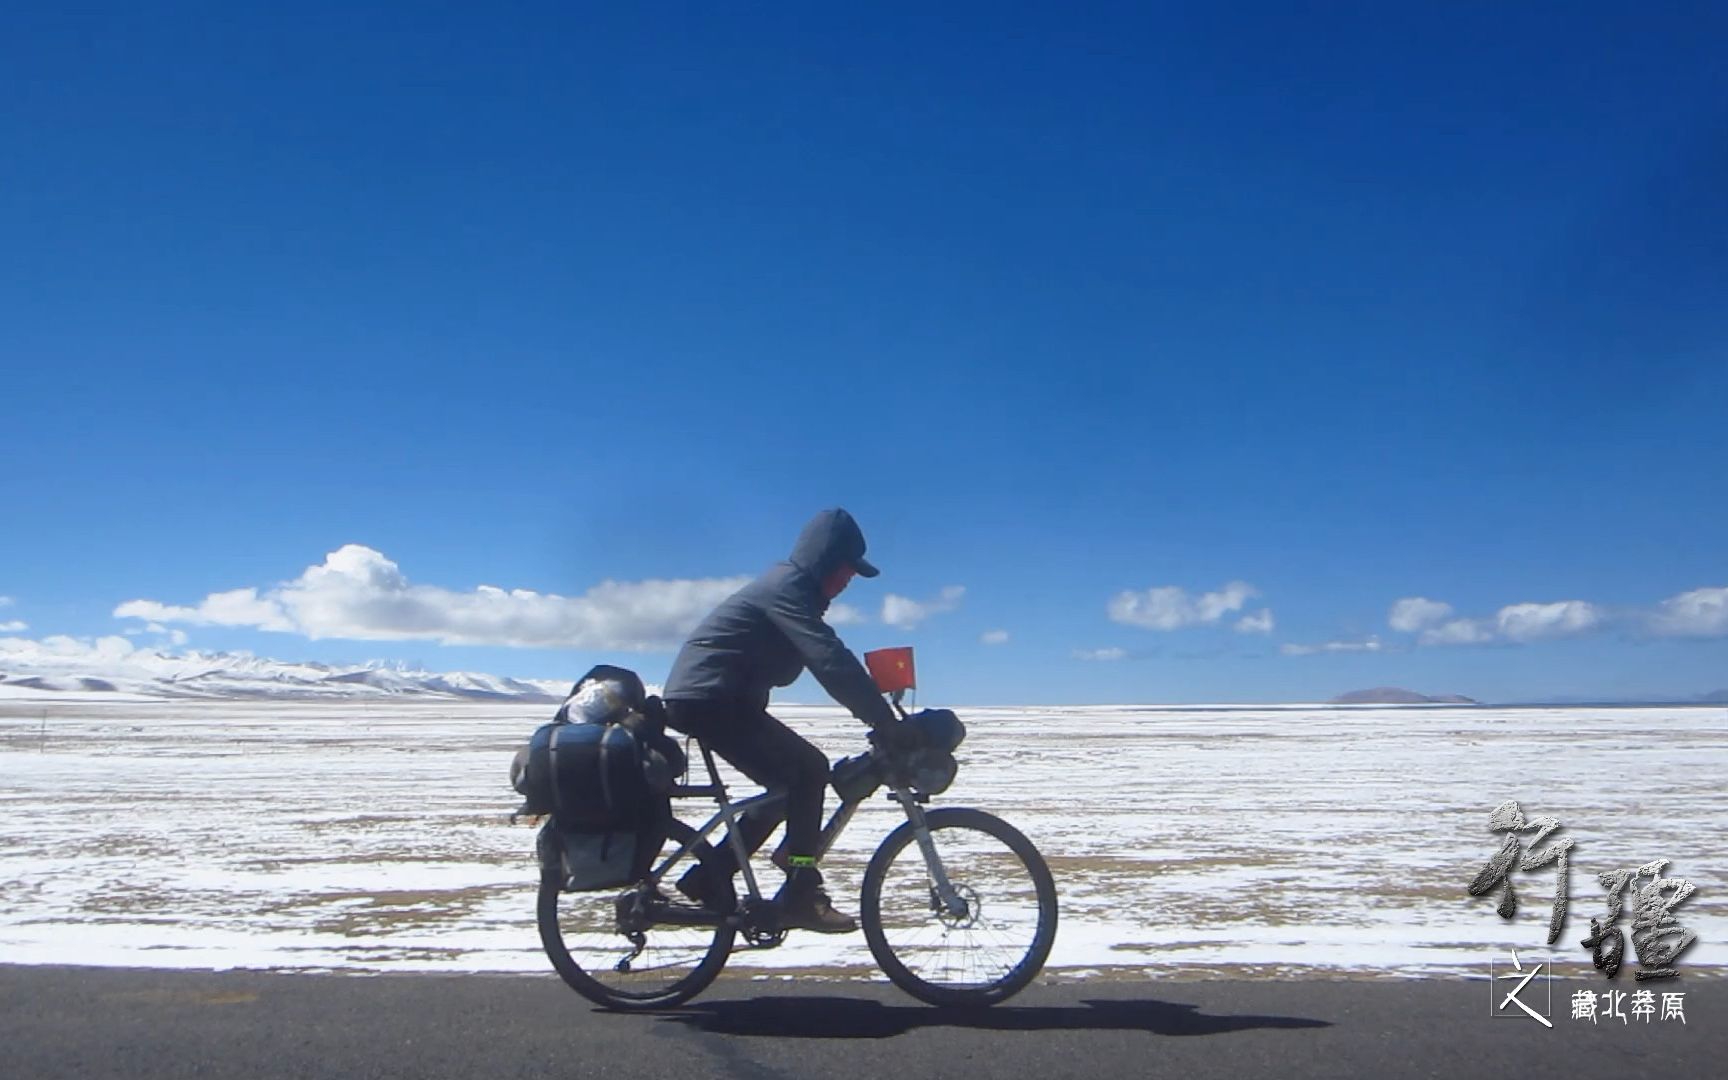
pixel 657 965
pixel 1000 941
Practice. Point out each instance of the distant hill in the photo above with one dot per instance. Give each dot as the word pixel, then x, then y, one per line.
pixel 241 675
pixel 1717 697
pixel 1397 695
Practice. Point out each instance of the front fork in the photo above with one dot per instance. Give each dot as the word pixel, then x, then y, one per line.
pixel 943 890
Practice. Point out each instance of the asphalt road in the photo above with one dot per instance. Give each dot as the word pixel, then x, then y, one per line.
pixel 139 1024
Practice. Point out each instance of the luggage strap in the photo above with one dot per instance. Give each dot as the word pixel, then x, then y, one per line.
pixel 606 773
pixel 552 767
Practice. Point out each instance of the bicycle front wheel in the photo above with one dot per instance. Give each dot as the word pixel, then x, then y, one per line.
pixel 653 968
pixel 981 957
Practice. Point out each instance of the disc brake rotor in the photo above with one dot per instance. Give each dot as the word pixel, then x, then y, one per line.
pixel 963 921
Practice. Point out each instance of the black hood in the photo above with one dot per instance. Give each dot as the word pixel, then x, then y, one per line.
pixel 831 538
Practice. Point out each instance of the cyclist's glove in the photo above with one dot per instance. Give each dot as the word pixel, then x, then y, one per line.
pixel 895 737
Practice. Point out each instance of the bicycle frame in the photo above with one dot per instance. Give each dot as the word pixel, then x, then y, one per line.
pixel 973 935
pixel 729 813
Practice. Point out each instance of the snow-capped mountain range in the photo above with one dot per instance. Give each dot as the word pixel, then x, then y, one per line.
pixel 144 672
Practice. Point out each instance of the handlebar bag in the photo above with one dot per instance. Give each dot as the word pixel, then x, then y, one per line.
pixel 938 728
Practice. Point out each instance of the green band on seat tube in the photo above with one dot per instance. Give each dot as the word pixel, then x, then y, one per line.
pixel 801 860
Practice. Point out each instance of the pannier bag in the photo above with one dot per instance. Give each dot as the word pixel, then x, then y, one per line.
pixel 583 861
pixel 602 769
pixel 611 759
pixel 595 775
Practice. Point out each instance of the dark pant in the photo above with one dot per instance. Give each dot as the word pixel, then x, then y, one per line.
pixel 774 756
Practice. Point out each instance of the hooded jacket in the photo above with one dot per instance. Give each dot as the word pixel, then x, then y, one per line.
pixel 767 633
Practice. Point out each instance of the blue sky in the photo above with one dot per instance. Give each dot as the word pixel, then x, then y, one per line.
pixel 1348 304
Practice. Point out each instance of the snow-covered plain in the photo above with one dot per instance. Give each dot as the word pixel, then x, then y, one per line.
pixel 372 836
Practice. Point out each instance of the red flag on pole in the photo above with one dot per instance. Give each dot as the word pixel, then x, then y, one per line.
pixel 892 669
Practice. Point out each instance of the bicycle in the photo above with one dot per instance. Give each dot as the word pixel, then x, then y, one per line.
pixel 969 919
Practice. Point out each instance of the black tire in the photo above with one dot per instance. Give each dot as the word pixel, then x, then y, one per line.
pixel 1002 943
pixel 579 931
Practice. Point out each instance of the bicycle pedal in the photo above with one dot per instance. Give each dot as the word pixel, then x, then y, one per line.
pixel 757 939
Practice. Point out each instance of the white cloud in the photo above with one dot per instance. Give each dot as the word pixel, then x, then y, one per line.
pixel 1514 623
pixel 1100 654
pixel 11 626
pixel 61 649
pixel 1171 608
pixel 1534 622
pixel 176 638
pixel 237 607
pixel 1699 613
pixel 357 593
pixel 1370 644
pixel 907 613
pixel 1458 632
pixel 993 637
pixel 1258 623
pixel 845 615
pixel 1414 613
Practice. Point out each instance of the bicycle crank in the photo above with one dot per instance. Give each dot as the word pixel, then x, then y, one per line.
pixel 759 925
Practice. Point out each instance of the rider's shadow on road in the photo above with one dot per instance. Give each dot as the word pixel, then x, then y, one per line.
pixel 851 1018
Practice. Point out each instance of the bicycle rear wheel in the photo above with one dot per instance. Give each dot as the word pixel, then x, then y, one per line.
pixel 985 956
pixel 659 966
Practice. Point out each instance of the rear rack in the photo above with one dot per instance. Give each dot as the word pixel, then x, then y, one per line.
pixel 692 791
pixel 713 789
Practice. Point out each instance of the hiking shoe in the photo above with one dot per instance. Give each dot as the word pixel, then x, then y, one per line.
pixel 814 911
pixel 699 888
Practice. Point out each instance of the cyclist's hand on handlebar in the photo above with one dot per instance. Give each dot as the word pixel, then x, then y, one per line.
pixel 895 737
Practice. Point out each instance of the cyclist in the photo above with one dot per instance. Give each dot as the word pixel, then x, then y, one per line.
pixel 760 637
